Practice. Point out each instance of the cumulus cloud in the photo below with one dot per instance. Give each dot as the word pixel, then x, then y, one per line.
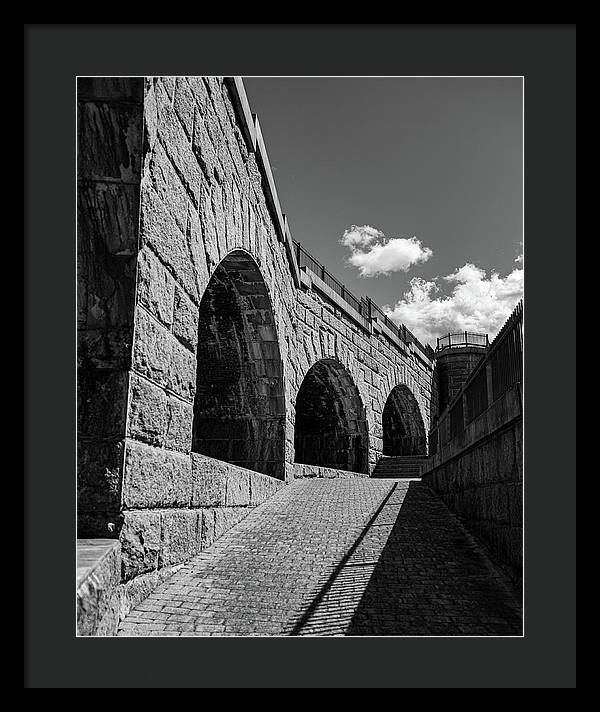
pixel 477 303
pixel 374 254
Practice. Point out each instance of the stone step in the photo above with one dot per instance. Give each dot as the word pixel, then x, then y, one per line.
pixel 399 466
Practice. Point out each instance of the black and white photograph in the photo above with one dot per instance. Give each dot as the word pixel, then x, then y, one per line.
pixel 300 356
pixel 299 362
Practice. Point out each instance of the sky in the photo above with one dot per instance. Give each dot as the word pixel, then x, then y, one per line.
pixel 409 190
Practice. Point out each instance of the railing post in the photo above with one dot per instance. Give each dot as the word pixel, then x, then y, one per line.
pixel 488 376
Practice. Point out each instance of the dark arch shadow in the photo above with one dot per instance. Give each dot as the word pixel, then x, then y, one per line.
pixel 403 427
pixel 331 424
pixel 239 408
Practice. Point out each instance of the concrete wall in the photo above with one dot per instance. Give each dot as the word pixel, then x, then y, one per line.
pixel 479 475
pixel 205 193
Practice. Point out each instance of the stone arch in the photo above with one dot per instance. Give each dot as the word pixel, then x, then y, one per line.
pixel 239 407
pixel 331 428
pixel 403 426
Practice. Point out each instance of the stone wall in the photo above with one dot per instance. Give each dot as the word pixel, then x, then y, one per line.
pixel 452 368
pixel 98 586
pixel 108 200
pixel 302 471
pixel 479 475
pixel 375 363
pixel 221 331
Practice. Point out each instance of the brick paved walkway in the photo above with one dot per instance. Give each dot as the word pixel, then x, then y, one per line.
pixel 336 557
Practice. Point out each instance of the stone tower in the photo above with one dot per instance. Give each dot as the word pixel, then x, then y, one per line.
pixel 455 357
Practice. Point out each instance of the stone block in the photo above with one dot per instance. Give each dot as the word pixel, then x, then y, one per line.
pixel 182 371
pixel 159 230
pixel 178 435
pixel 209 481
pixel 101 403
pixel 108 349
pixel 152 349
pixel 107 218
pixel 140 539
pixel 156 477
pixel 184 104
pixel 99 473
pixel 262 487
pixel 228 517
pixel 110 141
pixel 207 528
pixel 237 490
pixel 148 412
pixel 177 145
pixel 155 287
pixel 181 532
pixel 167 184
pixel 108 279
pixel 159 356
pixel 97 595
pixel 185 320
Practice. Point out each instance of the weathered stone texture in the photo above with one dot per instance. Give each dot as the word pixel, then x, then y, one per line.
pixel 108 200
pixel 181 532
pixel 479 476
pixel 99 575
pixel 160 357
pixel 185 192
pixel 140 542
pixel 155 477
pixel 301 471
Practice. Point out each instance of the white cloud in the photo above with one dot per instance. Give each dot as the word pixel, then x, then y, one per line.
pixel 374 254
pixel 477 303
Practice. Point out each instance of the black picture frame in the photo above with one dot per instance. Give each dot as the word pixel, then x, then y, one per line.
pixel 54 55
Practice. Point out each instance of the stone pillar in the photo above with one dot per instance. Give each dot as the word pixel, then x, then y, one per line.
pixel 110 127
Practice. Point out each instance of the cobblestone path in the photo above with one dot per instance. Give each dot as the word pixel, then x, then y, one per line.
pixel 336 557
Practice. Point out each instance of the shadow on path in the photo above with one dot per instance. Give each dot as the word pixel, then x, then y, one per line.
pixel 414 571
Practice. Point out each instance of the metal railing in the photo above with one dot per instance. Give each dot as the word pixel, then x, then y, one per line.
pixel 459 339
pixel 499 370
pixel 506 354
pixel 364 306
pixel 305 259
pixel 476 396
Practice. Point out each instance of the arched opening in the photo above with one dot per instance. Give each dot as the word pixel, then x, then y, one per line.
pixel 403 428
pixel 331 426
pixel 239 409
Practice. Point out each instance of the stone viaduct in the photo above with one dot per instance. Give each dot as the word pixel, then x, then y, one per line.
pixel 217 360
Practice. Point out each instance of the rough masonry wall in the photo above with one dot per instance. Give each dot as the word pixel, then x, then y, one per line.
pixel 202 198
pixel 375 365
pixel 109 122
pixel 207 223
pixel 479 475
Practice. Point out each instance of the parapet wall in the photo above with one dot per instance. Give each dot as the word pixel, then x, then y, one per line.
pixel 476 461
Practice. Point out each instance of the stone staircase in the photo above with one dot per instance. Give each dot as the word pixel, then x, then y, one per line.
pixel 399 466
